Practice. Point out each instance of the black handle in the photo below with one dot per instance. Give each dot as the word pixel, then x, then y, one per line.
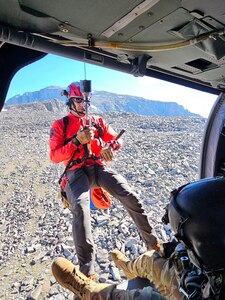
pixel 120 134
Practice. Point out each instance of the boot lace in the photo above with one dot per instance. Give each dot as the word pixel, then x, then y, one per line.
pixel 77 282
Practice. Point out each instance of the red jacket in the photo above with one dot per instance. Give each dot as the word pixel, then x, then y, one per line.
pixel 61 152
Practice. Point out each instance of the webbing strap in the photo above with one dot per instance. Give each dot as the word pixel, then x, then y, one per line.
pixel 65 123
pixel 67 167
pixel 77 161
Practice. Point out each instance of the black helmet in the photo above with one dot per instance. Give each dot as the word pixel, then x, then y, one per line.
pixel 197 216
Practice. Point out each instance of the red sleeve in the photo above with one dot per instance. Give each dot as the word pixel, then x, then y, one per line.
pixel 109 135
pixel 58 151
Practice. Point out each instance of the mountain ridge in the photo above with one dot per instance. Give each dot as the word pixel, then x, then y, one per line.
pixel 104 101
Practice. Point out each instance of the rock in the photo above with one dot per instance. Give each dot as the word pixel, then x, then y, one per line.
pixel 115 274
pixel 34 295
pixel 103 277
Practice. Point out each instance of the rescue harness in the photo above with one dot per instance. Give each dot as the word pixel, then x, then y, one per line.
pixel 78 161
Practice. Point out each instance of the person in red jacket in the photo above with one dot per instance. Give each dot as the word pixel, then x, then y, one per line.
pixel 85 146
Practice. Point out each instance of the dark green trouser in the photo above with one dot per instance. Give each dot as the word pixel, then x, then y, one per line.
pixel 77 190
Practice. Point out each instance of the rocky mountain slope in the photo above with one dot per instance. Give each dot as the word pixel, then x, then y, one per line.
pixel 107 102
pixel 159 154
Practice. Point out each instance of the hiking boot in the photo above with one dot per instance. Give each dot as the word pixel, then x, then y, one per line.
pixel 68 276
pixel 158 247
pixel 154 243
pixel 121 261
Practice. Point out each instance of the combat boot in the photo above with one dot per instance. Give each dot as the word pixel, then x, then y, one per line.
pixel 68 276
pixel 121 261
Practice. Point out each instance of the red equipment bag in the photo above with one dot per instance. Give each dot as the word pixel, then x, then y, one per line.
pixel 101 198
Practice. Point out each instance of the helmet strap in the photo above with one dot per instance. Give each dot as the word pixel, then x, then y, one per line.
pixel 73 108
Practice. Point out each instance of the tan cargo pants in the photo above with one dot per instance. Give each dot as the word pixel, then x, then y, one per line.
pixel 157 270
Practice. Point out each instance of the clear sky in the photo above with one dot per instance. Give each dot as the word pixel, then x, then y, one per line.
pixel 58 71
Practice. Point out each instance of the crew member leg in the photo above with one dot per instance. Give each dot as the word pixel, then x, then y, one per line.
pixel 68 276
pixel 77 190
pixel 152 266
pixel 119 188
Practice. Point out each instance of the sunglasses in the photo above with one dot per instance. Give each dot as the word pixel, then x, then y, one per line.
pixel 77 100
